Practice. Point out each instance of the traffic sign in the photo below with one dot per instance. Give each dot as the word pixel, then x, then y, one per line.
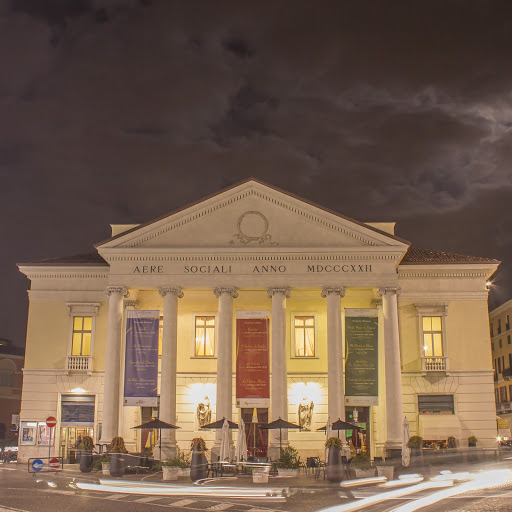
pixel 37 465
pixel 51 421
pixel 54 464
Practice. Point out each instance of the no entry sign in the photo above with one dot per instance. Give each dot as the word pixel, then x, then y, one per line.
pixel 54 464
pixel 51 422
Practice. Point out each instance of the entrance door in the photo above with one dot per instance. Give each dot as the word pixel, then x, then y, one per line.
pixel 257 437
pixel 149 438
pixel 70 438
pixel 358 440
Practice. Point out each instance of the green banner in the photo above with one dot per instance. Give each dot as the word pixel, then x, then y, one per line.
pixel 361 356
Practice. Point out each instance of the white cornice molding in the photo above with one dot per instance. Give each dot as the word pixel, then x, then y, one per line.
pixel 69 295
pixel 454 270
pixel 65 272
pixel 441 296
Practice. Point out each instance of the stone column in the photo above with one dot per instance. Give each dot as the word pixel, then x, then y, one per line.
pixel 335 377
pixel 224 357
pixel 111 384
pixel 279 388
pixel 394 414
pixel 167 411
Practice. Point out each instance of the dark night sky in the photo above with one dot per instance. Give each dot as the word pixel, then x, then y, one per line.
pixel 117 111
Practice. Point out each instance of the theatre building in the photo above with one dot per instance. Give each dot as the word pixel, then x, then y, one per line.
pixel 255 304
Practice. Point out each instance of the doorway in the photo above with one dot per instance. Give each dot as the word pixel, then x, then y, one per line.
pixel 358 440
pixel 256 435
pixel 70 438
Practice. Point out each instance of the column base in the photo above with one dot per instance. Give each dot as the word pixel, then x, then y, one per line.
pixel 167 452
pixel 393 449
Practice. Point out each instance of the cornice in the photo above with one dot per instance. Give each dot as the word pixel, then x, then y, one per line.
pixel 437 295
pixel 441 273
pixel 67 275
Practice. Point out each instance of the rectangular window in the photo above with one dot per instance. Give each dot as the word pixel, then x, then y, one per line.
pixel 499 364
pixel 510 392
pixel 507 326
pixel 501 343
pixel 304 327
pixel 82 332
pixel 509 341
pixel 510 360
pixel 492 346
pixel 436 404
pixel 492 330
pixel 499 326
pixel 6 379
pixel 496 396
pixel 432 336
pixel 204 336
pixel 503 394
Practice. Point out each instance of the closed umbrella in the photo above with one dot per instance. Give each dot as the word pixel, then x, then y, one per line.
pixel 406 451
pixel 224 442
pixel 241 442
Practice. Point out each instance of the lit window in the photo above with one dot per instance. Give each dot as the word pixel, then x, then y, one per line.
pixel 432 336
pixel 304 327
pixel 82 333
pixel 204 336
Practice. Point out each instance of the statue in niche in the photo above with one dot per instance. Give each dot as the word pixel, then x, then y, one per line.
pixel 204 413
pixel 305 413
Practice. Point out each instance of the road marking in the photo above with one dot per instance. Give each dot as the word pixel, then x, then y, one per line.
pixel 116 496
pixel 181 503
pixel 147 499
pixel 9 509
pixel 220 506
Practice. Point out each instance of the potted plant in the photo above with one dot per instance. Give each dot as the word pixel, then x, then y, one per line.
pixel 415 443
pixel 102 464
pixel 362 466
pixel 172 468
pixel 451 442
pixel 199 464
pixel 472 441
pixel 116 449
pixel 288 462
pixel 334 470
pixel 86 447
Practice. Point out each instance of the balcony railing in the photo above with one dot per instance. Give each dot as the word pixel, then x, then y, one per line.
pixel 507 373
pixel 80 363
pixel 434 364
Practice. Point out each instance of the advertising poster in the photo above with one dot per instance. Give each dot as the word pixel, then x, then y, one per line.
pixel 361 360
pixel 141 362
pixel 252 357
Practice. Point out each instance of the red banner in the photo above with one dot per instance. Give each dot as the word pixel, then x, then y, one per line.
pixel 252 358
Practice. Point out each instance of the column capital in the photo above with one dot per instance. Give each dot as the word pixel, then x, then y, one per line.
pixel 131 303
pixel 176 290
pixel 121 290
pixel 285 290
pixel 390 289
pixel 226 289
pixel 339 290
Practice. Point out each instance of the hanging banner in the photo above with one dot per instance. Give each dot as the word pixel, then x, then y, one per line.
pixel 252 359
pixel 361 358
pixel 141 362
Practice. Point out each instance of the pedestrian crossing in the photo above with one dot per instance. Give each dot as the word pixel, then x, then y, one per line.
pixel 187 503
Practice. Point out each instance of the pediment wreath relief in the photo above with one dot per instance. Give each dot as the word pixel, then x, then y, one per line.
pixel 253 228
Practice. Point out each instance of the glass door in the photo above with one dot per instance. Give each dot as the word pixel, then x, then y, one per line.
pixel 70 439
pixel 257 436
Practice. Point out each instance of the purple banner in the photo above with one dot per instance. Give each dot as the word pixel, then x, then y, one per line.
pixel 141 368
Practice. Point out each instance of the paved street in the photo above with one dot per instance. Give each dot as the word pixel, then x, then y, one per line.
pixel 49 492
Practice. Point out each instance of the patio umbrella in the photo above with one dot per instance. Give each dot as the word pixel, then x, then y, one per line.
pixel 340 425
pixel 241 442
pixel 220 424
pixel 280 424
pixel 158 424
pixel 224 442
pixel 406 452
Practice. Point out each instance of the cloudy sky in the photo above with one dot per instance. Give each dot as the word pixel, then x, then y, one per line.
pixel 117 111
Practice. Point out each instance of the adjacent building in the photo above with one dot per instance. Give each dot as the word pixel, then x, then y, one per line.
pixel 256 304
pixel 11 364
pixel 501 347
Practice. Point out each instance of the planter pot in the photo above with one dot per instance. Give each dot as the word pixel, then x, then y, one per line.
pixel 185 472
pixel 86 462
pixel 170 472
pixel 364 473
pixel 117 464
pixel 105 468
pixel 334 470
pixel 287 472
pixel 387 471
pixel 199 466
pixel 260 476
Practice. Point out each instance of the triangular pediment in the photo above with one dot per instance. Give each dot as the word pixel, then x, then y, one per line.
pixel 252 215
